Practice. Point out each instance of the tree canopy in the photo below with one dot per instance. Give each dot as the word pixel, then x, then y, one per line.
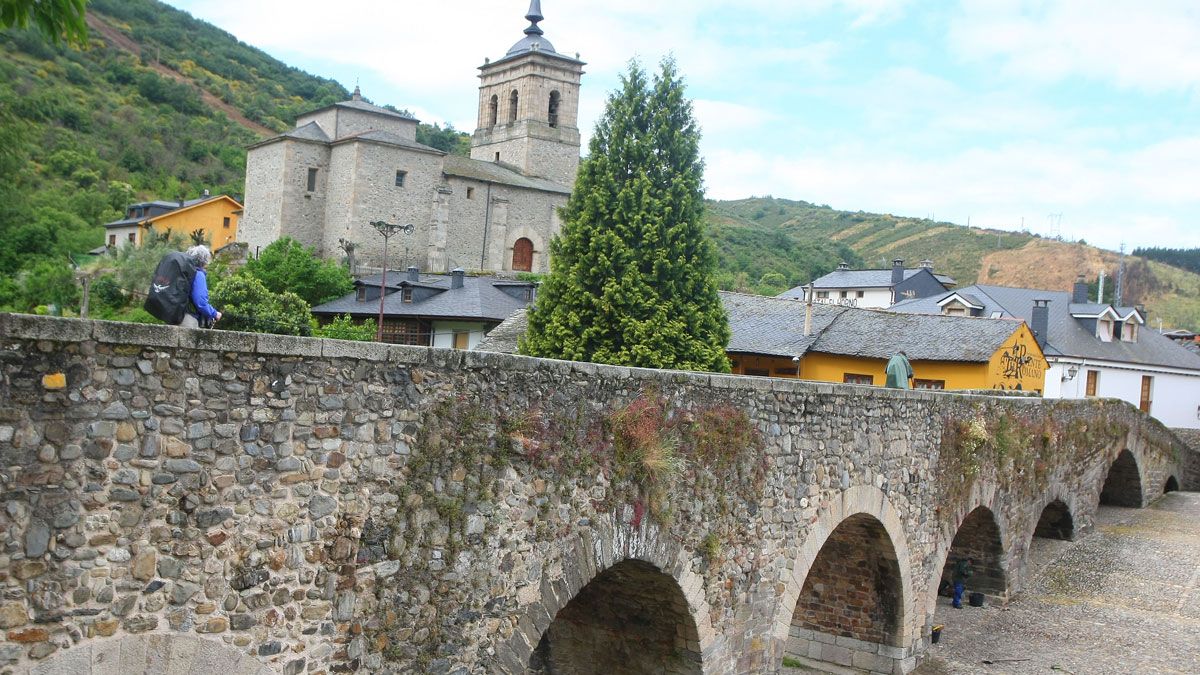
pixel 286 265
pixel 56 19
pixel 631 275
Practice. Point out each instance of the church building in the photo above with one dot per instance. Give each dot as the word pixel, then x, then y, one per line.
pixel 351 163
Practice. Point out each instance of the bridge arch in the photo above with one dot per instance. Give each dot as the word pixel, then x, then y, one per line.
pixel 1172 485
pixel 859 524
pixel 979 515
pixel 1123 482
pixel 626 595
pixel 1056 520
pixel 152 654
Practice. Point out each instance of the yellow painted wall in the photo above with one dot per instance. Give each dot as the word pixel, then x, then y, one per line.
pixel 208 216
pixel 1019 361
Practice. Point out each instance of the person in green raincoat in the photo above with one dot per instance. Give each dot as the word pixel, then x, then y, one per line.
pixel 899 372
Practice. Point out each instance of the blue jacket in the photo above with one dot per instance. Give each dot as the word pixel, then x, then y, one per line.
pixel 200 296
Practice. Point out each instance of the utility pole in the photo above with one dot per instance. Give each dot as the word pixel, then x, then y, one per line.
pixel 1120 277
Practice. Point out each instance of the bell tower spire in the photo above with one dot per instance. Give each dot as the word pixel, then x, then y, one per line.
pixel 529 107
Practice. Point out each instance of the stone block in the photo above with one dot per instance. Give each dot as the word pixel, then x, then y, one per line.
pixel 77 660
pixel 31 327
pixel 288 345
pixel 407 354
pixel 350 349
pixel 836 654
pixel 218 340
pixel 142 334
pixel 904 666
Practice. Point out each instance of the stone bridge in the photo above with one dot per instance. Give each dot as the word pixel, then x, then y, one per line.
pixel 208 501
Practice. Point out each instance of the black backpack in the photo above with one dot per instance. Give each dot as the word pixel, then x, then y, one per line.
pixel 171 291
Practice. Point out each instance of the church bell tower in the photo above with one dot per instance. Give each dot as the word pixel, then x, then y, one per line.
pixel 529 107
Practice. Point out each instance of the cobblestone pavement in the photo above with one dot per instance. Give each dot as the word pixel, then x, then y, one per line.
pixel 1123 599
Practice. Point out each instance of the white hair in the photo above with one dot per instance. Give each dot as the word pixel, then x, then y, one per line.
pixel 200 255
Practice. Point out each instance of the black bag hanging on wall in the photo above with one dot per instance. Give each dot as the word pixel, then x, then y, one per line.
pixel 171 290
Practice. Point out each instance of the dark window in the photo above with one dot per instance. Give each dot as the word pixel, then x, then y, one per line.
pixel 512 106
pixel 758 372
pixel 522 260
pixel 857 378
pixel 312 180
pixel 133 237
pixel 497 157
pixel 406 295
pixel 822 294
pixel 860 293
pixel 493 110
pixel 407 332
pixel 929 384
pixel 470 193
pixel 400 176
pixel 361 294
pixel 225 222
pixel 112 240
pixel 843 294
pixel 554 101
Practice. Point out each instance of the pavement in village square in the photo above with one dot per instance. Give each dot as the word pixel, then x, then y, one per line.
pixel 1124 598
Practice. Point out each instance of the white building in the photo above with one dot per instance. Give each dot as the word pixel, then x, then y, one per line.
pixel 874 289
pixel 1092 349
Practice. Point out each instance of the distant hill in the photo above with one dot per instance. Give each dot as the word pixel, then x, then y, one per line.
pixel 753 232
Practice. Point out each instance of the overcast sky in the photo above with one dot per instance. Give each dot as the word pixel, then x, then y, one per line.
pixel 1002 112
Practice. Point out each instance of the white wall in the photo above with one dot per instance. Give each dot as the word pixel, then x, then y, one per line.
pixel 1174 394
pixel 873 298
pixel 443 333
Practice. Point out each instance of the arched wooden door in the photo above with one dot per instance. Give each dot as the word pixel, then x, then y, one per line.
pixel 522 260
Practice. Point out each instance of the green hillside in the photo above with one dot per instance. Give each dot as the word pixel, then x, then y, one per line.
pixel 158 105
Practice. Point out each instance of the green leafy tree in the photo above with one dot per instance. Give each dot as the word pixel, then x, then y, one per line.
pixel 56 19
pixel 247 305
pixel 631 277
pixel 49 283
pixel 345 328
pixel 288 266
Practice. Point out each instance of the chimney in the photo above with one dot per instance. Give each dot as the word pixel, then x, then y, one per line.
pixel 413 273
pixel 808 310
pixel 843 266
pixel 206 194
pixel 927 264
pixel 456 277
pixel 1079 294
pixel 897 271
pixel 1040 323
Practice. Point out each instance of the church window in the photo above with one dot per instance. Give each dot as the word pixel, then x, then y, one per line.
pixel 470 193
pixel 512 106
pixel 493 109
pixel 312 180
pixel 554 101
pixel 400 176
pixel 497 157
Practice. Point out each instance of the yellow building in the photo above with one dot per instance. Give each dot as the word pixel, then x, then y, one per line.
pixel 216 216
pixel 850 345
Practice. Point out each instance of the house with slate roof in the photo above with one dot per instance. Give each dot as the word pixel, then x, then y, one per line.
pixel 1093 349
pixel 852 346
pixel 352 163
pixel 434 310
pixel 217 216
pixel 877 288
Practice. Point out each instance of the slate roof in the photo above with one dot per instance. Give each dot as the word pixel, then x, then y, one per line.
pixel 479 299
pixel 169 206
pixel 476 169
pixel 309 132
pixel 390 139
pixel 358 104
pixel 1067 335
pixel 775 327
pixel 860 279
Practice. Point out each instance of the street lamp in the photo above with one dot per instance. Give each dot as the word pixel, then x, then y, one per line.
pixel 387 230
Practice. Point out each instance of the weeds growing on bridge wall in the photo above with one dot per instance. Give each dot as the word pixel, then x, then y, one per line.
pixel 993 442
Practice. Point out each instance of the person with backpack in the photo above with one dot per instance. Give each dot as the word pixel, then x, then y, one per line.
pixel 180 284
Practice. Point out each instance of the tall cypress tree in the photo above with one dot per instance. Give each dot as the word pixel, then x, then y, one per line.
pixel 631 274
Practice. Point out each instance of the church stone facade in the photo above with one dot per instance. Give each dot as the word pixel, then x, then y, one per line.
pixel 351 163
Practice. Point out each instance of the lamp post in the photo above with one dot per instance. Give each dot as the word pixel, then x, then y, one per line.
pixel 387 230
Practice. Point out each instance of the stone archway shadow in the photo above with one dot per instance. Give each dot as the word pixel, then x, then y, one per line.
pixel 1124 483
pixel 982 496
pixel 1172 485
pixel 152 654
pixel 617 549
pixel 858 500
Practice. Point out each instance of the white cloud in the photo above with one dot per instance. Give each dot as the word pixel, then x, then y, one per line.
pixel 1149 46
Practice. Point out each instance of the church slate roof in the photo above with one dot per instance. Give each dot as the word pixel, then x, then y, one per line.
pixel 358 104
pixel 479 299
pixel 309 132
pixel 1067 336
pixel 491 172
pixel 775 327
pixel 388 138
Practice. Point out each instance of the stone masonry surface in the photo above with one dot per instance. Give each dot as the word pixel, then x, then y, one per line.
pixel 322 506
